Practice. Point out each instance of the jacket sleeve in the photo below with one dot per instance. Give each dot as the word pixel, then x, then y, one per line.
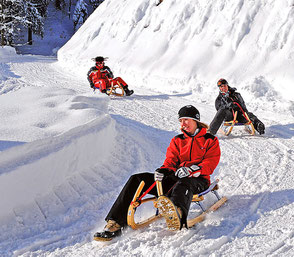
pixel 241 102
pixel 171 161
pixel 109 72
pixel 211 157
pixel 217 103
pixel 89 76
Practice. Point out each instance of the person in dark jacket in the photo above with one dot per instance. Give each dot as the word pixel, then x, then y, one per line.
pixel 224 105
pixel 100 77
pixel 190 160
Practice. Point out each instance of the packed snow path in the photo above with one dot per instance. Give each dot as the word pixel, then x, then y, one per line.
pixel 256 173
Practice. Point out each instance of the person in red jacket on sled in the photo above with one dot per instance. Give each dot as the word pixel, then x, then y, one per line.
pixel 101 77
pixel 190 160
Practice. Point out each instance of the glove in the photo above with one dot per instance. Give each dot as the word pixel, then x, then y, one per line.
pixel 158 176
pixel 103 91
pixel 92 85
pixel 160 173
pixel 188 172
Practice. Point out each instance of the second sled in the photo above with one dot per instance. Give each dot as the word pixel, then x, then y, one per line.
pixel 197 198
pixel 228 126
pixel 115 89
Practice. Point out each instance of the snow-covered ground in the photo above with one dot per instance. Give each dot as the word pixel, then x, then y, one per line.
pixel 66 152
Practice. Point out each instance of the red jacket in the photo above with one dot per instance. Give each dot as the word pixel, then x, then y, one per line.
pixel 95 73
pixel 202 149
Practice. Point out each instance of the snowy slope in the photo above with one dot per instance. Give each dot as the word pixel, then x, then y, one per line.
pixel 65 152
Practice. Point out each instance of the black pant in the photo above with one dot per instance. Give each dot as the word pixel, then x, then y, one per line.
pixel 227 115
pixel 180 192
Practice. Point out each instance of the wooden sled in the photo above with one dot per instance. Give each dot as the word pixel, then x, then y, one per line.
pixel 228 126
pixel 196 198
pixel 115 89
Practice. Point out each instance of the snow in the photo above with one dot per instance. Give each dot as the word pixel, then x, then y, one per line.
pixel 66 152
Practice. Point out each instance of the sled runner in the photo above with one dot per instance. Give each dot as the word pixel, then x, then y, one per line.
pixel 115 89
pixel 163 200
pixel 228 126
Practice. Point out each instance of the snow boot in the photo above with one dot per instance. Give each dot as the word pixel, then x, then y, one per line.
pixel 260 128
pixel 170 212
pixel 111 230
pixel 127 91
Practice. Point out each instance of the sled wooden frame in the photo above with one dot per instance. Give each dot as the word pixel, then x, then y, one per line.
pixel 113 89
pixel 230 125
pixel 196 198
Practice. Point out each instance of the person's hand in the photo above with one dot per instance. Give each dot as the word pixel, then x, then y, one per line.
pixel 188 172
pixel 160 173
pixel 158 176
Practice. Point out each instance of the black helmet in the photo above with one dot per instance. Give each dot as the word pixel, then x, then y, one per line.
pixel 189 112
pixel 99 59
pixel 222 82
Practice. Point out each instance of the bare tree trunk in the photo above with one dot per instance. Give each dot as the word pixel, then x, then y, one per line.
pixel 58 4
pixel 30 36
pixel 69 8
pixel 2 38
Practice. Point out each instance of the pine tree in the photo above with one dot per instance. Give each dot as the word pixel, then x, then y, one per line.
pixel 36 11
pixel 11 15
pixel 15 14
pixel 95 3
pixel 80 14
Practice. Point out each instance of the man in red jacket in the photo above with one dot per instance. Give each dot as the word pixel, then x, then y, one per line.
pixel 190 160
pixel 101 77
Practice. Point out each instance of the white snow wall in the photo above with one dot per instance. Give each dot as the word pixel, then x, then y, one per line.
pixel 32 173
pixel 182 42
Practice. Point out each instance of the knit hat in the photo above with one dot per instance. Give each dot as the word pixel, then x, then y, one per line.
pixel 222 82
pixel 189 112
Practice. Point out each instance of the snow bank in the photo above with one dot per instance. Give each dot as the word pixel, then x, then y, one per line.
pixel 186 46
pixel 31 174
pixel 5 52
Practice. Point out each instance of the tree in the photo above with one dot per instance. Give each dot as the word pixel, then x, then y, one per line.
pixel 36 11
pixel 59 4
pixel 80 14
pixel 11 15
pixel 95 3
pixel 21 13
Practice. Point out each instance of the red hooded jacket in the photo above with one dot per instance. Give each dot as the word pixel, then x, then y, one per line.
pixel 185 150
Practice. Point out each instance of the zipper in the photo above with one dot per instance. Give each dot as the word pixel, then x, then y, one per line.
pixel 191 149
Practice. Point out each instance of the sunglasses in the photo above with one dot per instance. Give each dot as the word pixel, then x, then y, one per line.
pixel 221 84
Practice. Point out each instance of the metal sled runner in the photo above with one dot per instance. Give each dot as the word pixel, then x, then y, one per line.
pixel 228 126
pixel 198 198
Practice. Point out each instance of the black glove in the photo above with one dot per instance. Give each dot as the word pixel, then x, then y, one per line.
pixel 103 91
pixel 160 173
pixel 92 85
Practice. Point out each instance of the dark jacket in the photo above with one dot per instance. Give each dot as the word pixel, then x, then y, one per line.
pixel 224 101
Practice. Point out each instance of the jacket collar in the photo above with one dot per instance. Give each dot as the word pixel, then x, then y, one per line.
pixel 201 133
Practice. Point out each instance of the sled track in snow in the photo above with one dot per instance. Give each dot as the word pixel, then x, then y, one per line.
pixel 256 174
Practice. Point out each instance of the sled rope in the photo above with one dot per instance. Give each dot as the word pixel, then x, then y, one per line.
pixel 145 193
pixel 244 114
